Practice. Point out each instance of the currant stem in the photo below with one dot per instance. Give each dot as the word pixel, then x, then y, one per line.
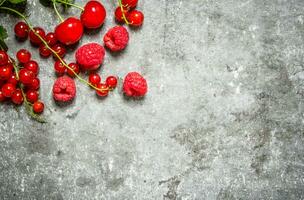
pixel 122 11
pixel 70 4
pixel 56 11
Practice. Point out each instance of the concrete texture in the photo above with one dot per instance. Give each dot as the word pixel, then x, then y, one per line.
pixel 223 118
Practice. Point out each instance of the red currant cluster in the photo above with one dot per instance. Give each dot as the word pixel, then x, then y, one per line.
pixel 22 84
pixel 126 12
pixel 110 84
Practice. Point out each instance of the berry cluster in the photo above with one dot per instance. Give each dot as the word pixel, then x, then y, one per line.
pixel 19 82
pixel 126 12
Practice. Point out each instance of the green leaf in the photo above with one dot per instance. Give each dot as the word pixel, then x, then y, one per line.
pixel 3 36
pixel 18 5
pixel 17 1
pixel 46 2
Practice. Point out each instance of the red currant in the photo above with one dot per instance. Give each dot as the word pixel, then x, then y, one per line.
pixel 34 38
pixel 75 68
pixel 118 14
pixel 44 51
pixel 104 90
pixel 38 107
pixel 2 97
pixel 3 58
pixel 70 31
pixel 23 56
pixel 59 68
pixel 94 15
pixel 26 76
pixel 94 79
pixel 129 3
pixel 135 18
pixel 5 72
pixel 60 50
pixel 34 85
pixel 17 97
pixel 32 96
pixel 111 82
pixel 13 79
pixel 8 89
pixel 32 66
pixel 21 30
pixel 51 39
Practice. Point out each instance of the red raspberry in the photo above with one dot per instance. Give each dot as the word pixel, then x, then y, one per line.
pixel 116 38
pixel 64 89
pixel 135 85
pixel 90 56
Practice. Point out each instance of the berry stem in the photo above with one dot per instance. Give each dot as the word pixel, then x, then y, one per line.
pixel 70 4
pixel 56 11
pixel 54 52
pixel 122 11
pixel 15 67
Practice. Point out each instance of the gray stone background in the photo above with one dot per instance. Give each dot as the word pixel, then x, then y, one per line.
pixel 223 118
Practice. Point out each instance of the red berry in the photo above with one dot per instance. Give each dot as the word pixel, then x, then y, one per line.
pixel 94 15
pixel 64 89
pixel 51 39
pixel 75 68
pixel 44 51
pixel 32 96
pixel 23 56
pixel 2 97
pixel 8 89
pixel 34 38
pixel 17 97
pixel 111 82
pixel 34 85
pixel 135 18
pixel 5 72
pixel 38 107
pixel 94 79
pixel 90 56
pixel 129 3
pixel 59 68
pixel 116 38
pixel 32 66
pixel 70 31
pixel 3 58
pixel 135 85
pixel 103 90
pixel 60 50
pixel 13 79
pixel 118 14
pixel 21 30
pixel 26 76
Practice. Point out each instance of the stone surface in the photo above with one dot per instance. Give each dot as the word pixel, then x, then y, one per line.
pixel 223 118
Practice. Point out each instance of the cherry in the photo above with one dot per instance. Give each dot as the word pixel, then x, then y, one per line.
pixel 94 79
pixel 59 49
pixel 17 97
pixel 104 90
pixel 118 14
pixel 34 38
pixel 129 3
pixel 51 39
pixel 3 58
pixel 32 96
pixel 34 84
pixel 5 72
pixel 38 107
pixel 70 31
pixel 111 82
pixel 21 30
pixel 136 18
pixel 44 51
pixel 13 79
pixel 8 89
pixel 32 66
pixel 23 56
pixel 94 15
pixel 26 76
pixel 59 68
pixel 75 67
pixel 2 97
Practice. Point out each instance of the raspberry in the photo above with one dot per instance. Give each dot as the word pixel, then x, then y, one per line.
pixel 135 85
pixel 117 38
pixel 90 56
pixel 64 89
